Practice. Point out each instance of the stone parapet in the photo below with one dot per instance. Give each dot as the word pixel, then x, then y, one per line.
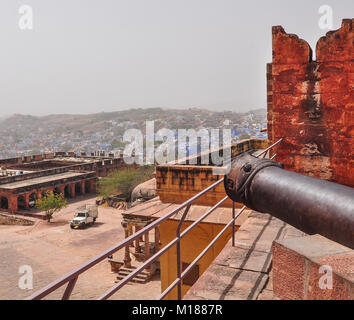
pixel 311 103
pixel 312 268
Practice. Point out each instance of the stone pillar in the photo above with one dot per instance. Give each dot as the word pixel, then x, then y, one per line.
pixel 131 233
pixel 92 186
pixel 13 204
pixel 83 191
pixel 127 260
pixel 87 187
pixel 61 189
pixel 147 247
pixel 72 190
pixel 137 241
pixel 26 196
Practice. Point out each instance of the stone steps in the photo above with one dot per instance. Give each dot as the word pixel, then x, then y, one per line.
pixel 142 277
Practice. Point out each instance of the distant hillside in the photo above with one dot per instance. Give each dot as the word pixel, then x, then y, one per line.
pixel 98 121
pixel 26 134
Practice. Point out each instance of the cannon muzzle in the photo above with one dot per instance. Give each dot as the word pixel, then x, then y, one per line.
pixel 309 204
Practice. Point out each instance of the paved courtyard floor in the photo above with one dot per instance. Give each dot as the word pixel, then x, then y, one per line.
pixel 53 249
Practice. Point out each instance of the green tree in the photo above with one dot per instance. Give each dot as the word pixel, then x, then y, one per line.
pixel 51 203
pixel 124 181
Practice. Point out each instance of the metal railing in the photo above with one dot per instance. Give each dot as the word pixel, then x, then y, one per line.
pixel 72 277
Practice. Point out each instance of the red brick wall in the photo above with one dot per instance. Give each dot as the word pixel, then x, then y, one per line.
pixel 311 103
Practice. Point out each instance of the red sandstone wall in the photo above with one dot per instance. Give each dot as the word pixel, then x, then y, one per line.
pixel 311 103
pixel 178 183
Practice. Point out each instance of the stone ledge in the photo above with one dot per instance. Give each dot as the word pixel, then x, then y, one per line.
pixel 225 283
pixel 242 272
pixel 297 273
pixel 7 219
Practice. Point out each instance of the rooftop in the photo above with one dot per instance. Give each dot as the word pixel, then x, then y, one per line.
pixel 39 180
pixel 154 209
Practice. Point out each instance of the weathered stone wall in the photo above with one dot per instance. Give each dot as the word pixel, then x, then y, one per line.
pixel 236 148
pixel 6 219
pixel 311 103
pixel 178 183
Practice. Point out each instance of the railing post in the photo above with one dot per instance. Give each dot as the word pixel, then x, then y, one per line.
pixel 157 239
pixel 147 248
pixel 179 286
pixel 178 251
pixel 69 289
pixel 127 259
pixel 276 151
pixel 233 224
pixel 137 240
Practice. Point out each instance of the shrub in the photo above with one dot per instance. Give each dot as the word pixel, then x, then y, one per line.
pixel 51 203
pixel 124 181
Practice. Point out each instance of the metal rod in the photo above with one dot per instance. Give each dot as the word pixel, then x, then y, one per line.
pixel 178 249
pixel 233 225
pixel 69 289
pixel 131 275
pixel 270 147
pixel 76 272
pixel 196 222
pixel 158 254
pixel 72 276
pixel 189 268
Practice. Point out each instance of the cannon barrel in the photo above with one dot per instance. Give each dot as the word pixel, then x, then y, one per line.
pixel 309 204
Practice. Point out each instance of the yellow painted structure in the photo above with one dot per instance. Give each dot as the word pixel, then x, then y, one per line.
pixel 191 246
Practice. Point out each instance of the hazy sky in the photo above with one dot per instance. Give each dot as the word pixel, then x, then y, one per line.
pixel 86 56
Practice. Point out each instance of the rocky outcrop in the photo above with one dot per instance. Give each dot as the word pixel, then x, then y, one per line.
pixel 144 191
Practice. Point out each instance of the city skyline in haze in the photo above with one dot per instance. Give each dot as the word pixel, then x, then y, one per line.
pixel 96 56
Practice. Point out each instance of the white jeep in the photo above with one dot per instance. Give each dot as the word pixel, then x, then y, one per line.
pixel 84 217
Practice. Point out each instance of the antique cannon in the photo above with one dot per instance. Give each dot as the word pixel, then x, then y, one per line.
pixel 309 204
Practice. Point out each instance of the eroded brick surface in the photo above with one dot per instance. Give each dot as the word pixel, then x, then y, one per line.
pixel 311 103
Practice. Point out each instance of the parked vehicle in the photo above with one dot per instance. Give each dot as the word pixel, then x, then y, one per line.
pixel 84 216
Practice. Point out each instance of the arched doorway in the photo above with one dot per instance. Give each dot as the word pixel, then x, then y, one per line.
pixel 4 203
pixel 78 188
pixel 87 187
pixel 21 203
pixel 66 192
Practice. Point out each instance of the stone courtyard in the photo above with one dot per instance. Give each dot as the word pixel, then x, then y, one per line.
pixel 53 249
